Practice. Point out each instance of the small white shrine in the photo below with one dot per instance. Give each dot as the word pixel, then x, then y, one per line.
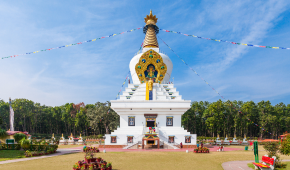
pixel 150 102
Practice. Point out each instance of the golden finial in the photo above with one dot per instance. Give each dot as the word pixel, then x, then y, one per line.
pixel 226 135
pixel 151 30
pixel 71 135
pixel 53 135
pixel 80 135
pixel 151 19
pixel 62 135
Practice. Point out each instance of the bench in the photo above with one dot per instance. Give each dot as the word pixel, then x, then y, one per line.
pixel 266 160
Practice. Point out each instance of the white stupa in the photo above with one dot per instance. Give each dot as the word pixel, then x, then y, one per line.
pixel 150 101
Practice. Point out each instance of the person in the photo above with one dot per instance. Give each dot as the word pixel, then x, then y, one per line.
pixel 201 144
pixel 180 144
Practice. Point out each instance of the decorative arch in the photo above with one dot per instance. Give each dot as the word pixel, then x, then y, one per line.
pixel 144 70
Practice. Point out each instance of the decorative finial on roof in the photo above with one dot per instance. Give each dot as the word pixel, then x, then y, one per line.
pixel 150 19
pixel 150 30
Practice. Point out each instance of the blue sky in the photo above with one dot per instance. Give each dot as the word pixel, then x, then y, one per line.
pixel 95 71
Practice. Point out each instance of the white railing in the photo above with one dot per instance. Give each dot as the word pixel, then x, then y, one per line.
pixel 165 140
pixel 136 139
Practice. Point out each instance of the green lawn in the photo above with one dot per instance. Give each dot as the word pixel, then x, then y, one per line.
pixel 142 160
pixel 287 166
pixel 11 154
pixel 138 160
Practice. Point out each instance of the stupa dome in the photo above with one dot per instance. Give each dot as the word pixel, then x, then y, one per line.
pixel 151 57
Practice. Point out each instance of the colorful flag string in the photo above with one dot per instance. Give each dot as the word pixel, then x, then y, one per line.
pixel 79 43
pixel 123 85
pixel 249 45
pixel 209 84
pixel 120 89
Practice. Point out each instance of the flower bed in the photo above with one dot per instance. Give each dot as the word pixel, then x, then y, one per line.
pixel 39 153
pixel 201 150
pixel 92 163
pixel 91 149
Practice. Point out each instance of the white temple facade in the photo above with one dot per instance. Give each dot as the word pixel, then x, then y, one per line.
pixel 150 102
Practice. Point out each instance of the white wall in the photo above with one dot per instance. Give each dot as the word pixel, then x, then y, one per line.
pixel 162 120
pixel 139 119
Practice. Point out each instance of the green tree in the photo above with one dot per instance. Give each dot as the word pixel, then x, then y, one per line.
pixel 102 115
pixel 4 114
pixel 19 136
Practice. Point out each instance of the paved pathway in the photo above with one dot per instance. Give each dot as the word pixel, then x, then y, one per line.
pixel 214 149
pixel 59 152
pixel 239 165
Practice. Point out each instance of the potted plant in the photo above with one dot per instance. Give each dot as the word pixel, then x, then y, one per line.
pixel 76 167
pixel 80 163
pixel 109 166
pixel 105 163
pixel 99 159
pixel 103 167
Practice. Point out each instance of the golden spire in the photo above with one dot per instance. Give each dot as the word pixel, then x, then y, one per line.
pixel 150 19
pixel 151 30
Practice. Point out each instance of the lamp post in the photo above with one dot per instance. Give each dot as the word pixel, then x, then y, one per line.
pixel 104 137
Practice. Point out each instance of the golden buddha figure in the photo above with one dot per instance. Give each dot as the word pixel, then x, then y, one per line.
pixel 151 72
pixel 150 84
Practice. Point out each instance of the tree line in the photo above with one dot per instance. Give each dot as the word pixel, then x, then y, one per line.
pixel 69 118
pixel 203 118
pixel 238 118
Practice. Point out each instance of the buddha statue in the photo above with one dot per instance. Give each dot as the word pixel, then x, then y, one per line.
pixel 150 72
pixel 150 85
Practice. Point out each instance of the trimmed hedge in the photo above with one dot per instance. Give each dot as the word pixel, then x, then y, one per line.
pixel 10 147
pixel 34 147
pixel 43 147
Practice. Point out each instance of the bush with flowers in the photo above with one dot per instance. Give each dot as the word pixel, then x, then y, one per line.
pixel 201 150
pixel 90 149
pixel 91 162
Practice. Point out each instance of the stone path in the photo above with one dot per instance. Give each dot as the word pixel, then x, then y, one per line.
pixel 214 149
pixel 239 165
pixel 59 152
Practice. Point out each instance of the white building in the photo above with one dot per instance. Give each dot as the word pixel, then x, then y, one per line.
pixel 150 101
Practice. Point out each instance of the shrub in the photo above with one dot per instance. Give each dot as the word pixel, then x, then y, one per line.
pixel 3 133
pixel 285 146
pixel 19 136
pixel 272 148
pixel 25 143
pixel 100 136
pixel 10 146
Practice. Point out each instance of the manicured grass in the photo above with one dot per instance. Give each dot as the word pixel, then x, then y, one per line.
pixel 287 166
pixel 142 160
pixel 11 154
